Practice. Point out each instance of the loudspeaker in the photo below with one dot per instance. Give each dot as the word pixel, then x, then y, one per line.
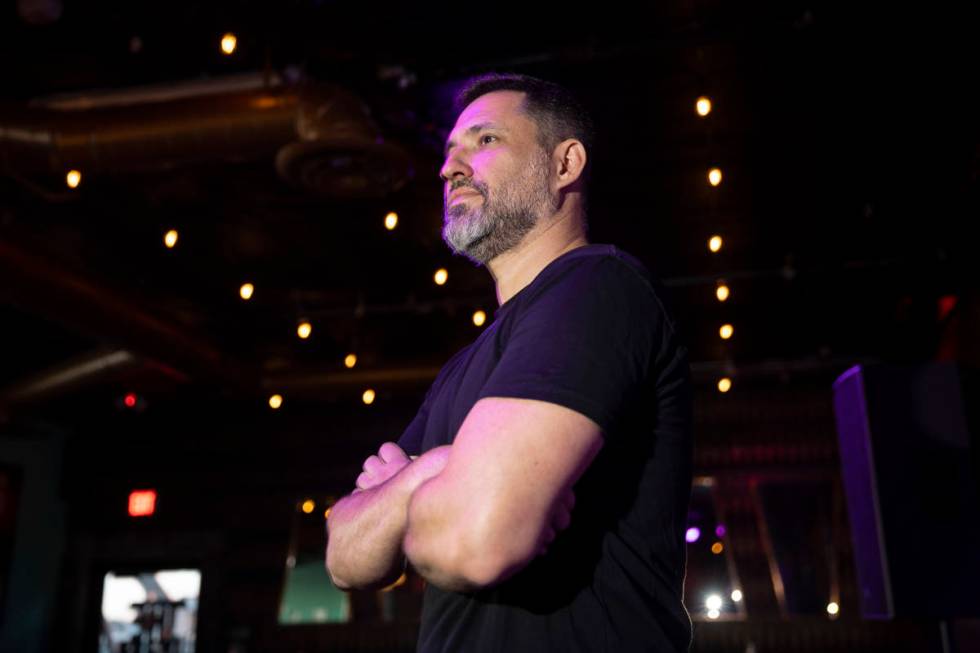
pixel 910 472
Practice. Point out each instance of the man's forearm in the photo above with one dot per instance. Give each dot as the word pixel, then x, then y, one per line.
pixel 439 541
pixel 366 528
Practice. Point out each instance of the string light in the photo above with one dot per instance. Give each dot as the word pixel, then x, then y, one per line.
pixel 170 238
pixel 717 548
pixel 713 602
pixel 246 291
pixel 275 401
pixel 703 106
pixel 724 384
pixel 722 292
pixel 228 43
pixel 350 360
pixel 736 595
pixel 391 221
pixel 479 318
pixel 368 396
pixel 726 331
pixel 715 243
pixel 309 506
pixel 326 513
pixel 304 329
pixel 714 176
pixel 73 178
pixel 833 608
pixel 440 276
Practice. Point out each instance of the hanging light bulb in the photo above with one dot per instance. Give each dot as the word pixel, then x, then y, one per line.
pixel 275 401
pixel 391 221
pixel 441 276
pixel 246 291
pixel 73 178
pixel 350 360
pixel 228 43
pixel 722 292
pixel 170 239
pixel 368 396
pixel 304 329
pixel 715 243
pixel 479 318
pixel 703 106
pixel 724 384
pixel 714 176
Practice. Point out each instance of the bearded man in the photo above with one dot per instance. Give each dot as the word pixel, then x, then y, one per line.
pixel 542 488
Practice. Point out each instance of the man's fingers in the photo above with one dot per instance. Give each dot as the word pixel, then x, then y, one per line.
pixel 363 481
pixel 391 452
pixel 372 464
pixel 563 519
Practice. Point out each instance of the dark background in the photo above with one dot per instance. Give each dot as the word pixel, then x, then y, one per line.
pixel 848 142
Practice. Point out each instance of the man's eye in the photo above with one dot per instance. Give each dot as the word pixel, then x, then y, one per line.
pixel 486 136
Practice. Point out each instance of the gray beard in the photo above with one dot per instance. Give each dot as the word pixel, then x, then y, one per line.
pixel 499 223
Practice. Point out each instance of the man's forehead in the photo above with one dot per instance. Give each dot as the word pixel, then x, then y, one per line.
pixel 498 109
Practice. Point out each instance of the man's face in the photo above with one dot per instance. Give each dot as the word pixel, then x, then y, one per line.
pixel 496 178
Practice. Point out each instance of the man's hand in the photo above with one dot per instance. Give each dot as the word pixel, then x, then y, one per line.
pixel 378 468
pixel 561 518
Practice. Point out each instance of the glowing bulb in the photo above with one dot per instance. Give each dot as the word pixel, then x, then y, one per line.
pixel 726 331
pixel 479 318
pixel 714 243
pixel 736 595
pixel 693 533
pixel 713 614
pixel 275 401
pixel 228 43
pixel 130 400
pixel 246 291
pixel 391 221
pixel 724 384
pixel 326 513
pixel 73 178
pixel 713 602
pixel 717 548
pixel 714 176
pixel 833 608
pixel 170 238
pixel 703 106
pixel 304 329
pixel 368 396
pixel 350 360
pixel 309 506
pixel 722 292
pixel 440 276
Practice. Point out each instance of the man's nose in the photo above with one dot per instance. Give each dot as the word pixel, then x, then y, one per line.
pixel 454 167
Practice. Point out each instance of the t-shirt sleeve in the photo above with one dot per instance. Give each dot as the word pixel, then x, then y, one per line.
pixel 586 340
pixel 411 438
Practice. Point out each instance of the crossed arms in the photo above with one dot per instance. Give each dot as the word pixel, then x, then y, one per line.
pixel 470 514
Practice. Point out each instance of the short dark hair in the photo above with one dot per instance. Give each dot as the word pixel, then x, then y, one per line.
pixel 557 112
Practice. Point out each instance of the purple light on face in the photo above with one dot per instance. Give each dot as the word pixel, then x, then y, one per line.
pixel 720 530
pixel 693 533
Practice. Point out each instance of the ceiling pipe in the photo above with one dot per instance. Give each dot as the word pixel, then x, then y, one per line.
pixel 321 136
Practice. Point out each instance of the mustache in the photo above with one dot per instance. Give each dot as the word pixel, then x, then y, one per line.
pixel 465 183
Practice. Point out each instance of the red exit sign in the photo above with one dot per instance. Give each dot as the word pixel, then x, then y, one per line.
pixel 142 503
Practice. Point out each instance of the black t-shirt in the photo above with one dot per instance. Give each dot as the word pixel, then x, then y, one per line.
pixel 590 332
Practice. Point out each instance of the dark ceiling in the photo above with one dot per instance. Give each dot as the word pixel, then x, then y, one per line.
pixel 848 143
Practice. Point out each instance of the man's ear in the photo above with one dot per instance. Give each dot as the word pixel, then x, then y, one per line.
pixel 570 159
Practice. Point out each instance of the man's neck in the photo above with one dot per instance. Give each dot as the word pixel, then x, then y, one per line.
pixel 516 268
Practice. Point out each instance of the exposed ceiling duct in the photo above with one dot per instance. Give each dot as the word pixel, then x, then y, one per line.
pixel 322 137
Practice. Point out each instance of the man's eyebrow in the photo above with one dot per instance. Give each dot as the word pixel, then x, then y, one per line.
pixel 472 129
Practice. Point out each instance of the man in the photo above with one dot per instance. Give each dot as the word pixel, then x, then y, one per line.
pixel 542 489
